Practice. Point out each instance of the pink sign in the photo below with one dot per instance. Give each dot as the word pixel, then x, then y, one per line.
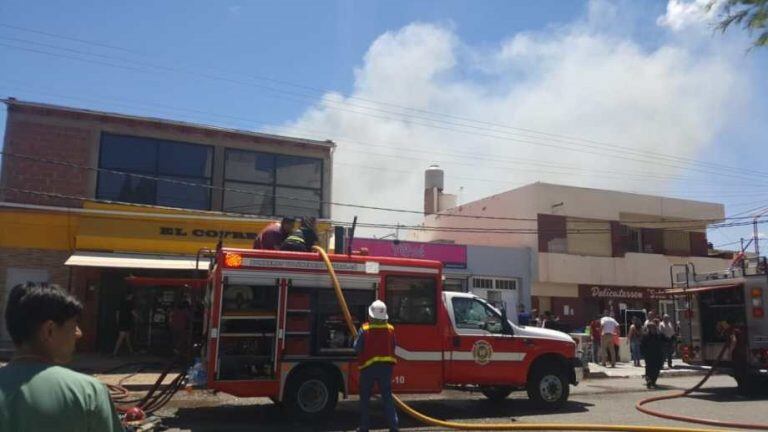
pixel 451 255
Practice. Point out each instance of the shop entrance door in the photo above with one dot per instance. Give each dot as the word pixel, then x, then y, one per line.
pixel 111 291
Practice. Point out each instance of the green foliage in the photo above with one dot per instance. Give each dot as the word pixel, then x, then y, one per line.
pixel 752 15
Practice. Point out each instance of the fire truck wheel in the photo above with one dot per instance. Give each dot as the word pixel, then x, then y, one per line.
pixel 311 393
pixel 496 393
pixel 548 386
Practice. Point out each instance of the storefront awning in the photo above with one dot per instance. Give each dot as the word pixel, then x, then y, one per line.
pixel 135 261
pixel 699 289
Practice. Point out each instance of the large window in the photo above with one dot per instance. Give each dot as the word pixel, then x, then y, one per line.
pixel 158 160
pixel 411 300
pixel 270 184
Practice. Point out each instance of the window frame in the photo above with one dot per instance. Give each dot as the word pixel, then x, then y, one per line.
pixel 155 174
pixel 274 185
pixel 435 298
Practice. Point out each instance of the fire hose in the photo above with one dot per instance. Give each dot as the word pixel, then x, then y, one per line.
pixel 525 426
pixel 640 405
pixel 153 399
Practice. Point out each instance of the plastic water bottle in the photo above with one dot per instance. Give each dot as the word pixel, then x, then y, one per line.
pixel 196 374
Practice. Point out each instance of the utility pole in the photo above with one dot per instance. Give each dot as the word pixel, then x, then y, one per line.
pixel 755 233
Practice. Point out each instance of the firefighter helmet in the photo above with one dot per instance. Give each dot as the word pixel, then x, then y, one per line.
pixel 378 310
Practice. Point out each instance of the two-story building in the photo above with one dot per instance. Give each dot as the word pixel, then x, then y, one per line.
pixel 596 250
pixel 104 204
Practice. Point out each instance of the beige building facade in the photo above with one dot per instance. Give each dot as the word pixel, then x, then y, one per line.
pixel 595 249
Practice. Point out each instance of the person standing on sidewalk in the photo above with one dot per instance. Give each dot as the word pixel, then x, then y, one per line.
pixel 375 348
pixel 667 329
pixel 36 393
pixel 595 334
pixel 126 316
pixel 608 327
pixel 634 334
pixel 652 348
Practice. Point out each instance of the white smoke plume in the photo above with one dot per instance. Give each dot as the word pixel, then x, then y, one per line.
pixel 584 79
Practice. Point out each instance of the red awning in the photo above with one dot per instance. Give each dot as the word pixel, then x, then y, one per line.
pixel 698 289
pixel 140 281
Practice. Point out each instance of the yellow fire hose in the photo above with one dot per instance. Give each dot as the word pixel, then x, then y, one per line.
pixel 490 426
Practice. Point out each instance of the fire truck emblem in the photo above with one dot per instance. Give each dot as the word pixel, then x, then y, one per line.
pixel 482 352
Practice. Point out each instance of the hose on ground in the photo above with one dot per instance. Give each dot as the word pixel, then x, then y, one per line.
pixel 640 405
pixel 155 398
pixel 487 426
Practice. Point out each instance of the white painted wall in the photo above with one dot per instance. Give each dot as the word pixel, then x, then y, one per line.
pixel 635 269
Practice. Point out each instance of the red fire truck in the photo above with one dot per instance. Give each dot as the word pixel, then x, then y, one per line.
pixel 724 312
pixel 275 329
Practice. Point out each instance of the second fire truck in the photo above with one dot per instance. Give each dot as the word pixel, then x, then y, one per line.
pixel 722 316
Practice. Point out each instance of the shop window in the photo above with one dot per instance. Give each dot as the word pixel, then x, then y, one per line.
pixel 677 243
pixel 482 283
pixel 248 198
pixel 508 284
pixel 249 166
pixel 299 202
pixel 634 240
pixel 270 184
pixel 299 171
pixel 411 300
pixel 147 171
pixel 589 237
pixel 494 283
pixel 472 314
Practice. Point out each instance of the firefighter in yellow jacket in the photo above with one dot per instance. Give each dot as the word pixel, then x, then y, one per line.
pixel 375 347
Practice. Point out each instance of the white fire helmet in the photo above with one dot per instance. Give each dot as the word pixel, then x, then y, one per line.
pixel 378 310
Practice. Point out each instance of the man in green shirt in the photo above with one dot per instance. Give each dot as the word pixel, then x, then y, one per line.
pixel 36 394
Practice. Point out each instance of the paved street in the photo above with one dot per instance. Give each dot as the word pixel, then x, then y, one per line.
pixel 596 401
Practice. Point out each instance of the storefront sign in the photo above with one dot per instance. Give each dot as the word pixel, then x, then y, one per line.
pixel 209 233
pixel 451 255
pixel 137 229
pixel 613 292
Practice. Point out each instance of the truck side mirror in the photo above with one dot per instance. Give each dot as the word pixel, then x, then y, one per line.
pixel 506 328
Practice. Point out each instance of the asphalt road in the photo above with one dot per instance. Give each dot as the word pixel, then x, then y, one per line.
pixel 607 401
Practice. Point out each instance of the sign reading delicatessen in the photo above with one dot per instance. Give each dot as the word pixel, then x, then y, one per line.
pixel 618 292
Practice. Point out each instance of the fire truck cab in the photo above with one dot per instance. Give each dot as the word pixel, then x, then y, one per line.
pixel 275 329
pixel 725 309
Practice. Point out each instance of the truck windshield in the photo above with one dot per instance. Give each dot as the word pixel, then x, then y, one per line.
pixel 471 313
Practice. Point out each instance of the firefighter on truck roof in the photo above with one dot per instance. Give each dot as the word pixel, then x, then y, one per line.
pixel 375 348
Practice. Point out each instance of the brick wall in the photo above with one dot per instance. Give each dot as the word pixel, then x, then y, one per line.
pixel 50 141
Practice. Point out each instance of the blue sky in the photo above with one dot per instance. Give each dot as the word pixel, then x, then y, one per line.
pixel 225 56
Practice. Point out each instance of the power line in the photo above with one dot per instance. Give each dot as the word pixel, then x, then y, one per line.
pixel 342 223
pixel 474 134
pixel 358 206
pixel 558 137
